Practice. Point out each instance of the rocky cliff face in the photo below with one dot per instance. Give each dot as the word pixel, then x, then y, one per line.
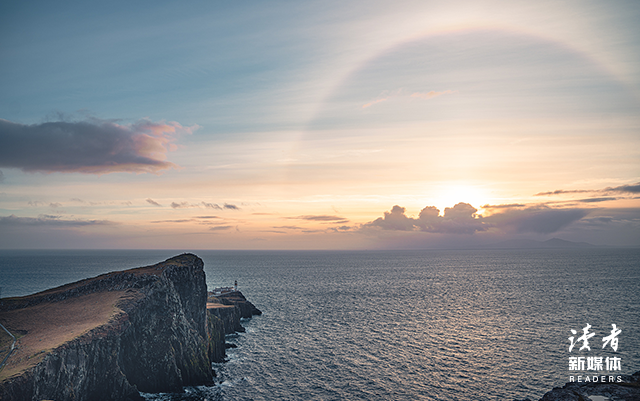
pixel 224 313
pixel 247 309
pixel 156 341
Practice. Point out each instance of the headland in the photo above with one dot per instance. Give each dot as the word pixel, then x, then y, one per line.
pixel 109 337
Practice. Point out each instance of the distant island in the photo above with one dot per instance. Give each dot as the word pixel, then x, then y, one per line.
pixel 150 329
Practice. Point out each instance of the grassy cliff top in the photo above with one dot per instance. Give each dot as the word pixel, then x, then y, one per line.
pixel 46 326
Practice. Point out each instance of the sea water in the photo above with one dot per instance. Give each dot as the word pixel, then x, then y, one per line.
pixel 405 325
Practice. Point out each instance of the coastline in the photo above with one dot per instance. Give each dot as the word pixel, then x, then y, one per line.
pixel 115 335
pixel 318 308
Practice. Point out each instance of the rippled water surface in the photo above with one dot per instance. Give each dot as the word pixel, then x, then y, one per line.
pixel 440 325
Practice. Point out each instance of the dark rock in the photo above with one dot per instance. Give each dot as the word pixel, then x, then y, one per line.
pixel 157 344
pixel 224 313
pixel 627 390
pixel 247 309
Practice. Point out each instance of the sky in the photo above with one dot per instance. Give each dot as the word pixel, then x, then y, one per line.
pixel 318 124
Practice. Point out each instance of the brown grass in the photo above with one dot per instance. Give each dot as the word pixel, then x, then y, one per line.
pixel 216 306
pixel 46 326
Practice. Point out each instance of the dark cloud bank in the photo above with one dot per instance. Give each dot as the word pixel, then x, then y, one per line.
pixel 93 146
pixel 463 219
pixel 45 220
pixel 622 189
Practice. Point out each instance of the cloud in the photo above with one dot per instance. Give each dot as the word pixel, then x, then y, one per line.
pixel 219 228
pixel 463 219
pixel 379 100
pixel 172 221
pixel 1 176
pixel 596 200
pixel 91 147
pixel 536 219
pixel 633 188
pixel 508 206
pixel 563 191
pixel 152 202
pixel 431 94
pixel 396 219
pixel 325 218
pixel 185 204
pixel 49 221
pixel 211 205
pixel 459 219
pixel 398 94
pixel 629 188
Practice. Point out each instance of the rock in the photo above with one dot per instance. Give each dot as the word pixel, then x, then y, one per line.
pixel 224 313
pixel 627 390
pixel 156 340
pixel 247 309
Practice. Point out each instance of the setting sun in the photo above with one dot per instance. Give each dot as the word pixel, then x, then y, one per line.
pixel 451 195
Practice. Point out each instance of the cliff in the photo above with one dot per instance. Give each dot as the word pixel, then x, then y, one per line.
pixel 247 309
pixel 108 337
pixel 224 313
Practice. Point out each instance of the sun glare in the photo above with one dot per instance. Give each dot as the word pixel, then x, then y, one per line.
pixel 453 194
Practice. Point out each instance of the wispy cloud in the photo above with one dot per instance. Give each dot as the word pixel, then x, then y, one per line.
pixel 624 189
pixel 321 218
pixel 49 221
pixel 431 94
pixel 597 200
pixel 216 206
pixel 371 103
pixel 506 206
pixel 206 205
pixel 220 228
pixel 400 95
pixel 565 191
pixel 152 202
pixel 633 188
pixel 211 205
pixel 93 146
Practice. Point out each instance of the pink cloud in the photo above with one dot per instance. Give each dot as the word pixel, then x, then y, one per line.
pixel 91 147
pixel 431 94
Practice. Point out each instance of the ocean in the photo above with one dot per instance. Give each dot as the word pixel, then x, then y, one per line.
pixel 401 325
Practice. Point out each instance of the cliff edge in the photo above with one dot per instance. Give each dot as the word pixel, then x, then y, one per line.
pixel 224 312
pixel 111 336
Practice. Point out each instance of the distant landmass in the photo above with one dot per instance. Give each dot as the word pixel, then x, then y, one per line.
pixel 555 243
